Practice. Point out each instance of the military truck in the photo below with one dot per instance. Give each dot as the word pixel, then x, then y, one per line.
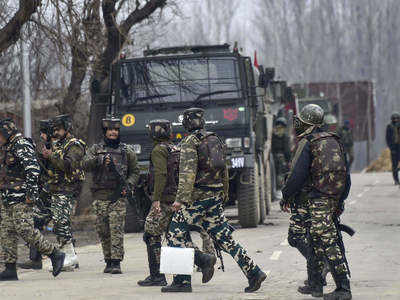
pixel 165 82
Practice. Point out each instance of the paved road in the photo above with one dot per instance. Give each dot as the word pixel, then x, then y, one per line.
pixel 373 209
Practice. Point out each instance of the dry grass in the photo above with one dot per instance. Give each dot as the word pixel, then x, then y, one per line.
pixel 382 164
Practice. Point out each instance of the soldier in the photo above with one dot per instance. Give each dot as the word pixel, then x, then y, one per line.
pixel 67 175
pixel 319 173
pixel 280 148
pixel 203 185
pixel 346 136
pixel 162 185
pixel 18 183
pixel 393 142
pixel 115 175
pixel 42 212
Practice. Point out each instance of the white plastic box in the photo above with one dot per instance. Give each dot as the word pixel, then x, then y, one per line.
pixel 176 260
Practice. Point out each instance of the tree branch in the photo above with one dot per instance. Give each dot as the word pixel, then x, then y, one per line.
pixel 11 32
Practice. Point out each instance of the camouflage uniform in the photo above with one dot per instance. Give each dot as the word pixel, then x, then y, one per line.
pixel 20 171
pixel 66 177
pixel 111 213
pixel 201 190
pixel 280 148
pixel 319 174
pixel 346 135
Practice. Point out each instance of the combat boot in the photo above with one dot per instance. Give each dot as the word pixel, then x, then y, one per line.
pixel 206 263
pixel 155 278
pixel 116 266
pixel 108 267
pixel 342 291
pixel 177 287
pixel 34 262
pixel 255 281
pixel 10 273
pixel 315 291
pixel 57 260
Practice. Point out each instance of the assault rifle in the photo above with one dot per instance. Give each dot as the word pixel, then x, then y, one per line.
pixel 218 249
pixel 349 231
pixel 123 185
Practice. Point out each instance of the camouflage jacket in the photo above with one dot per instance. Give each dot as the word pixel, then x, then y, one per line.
pixel 318 167
pixel 158 171
pixel 346 137
pixel 190 173
pixel 19 171
pixel 65 168
pixel 125 161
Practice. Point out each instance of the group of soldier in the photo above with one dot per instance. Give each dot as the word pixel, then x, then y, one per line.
pixel 188 187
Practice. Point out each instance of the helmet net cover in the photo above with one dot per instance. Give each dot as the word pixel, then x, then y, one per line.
pixel 160 129
pixel 63 121
pixel 312 114
pixel 111 123
pixel 193 118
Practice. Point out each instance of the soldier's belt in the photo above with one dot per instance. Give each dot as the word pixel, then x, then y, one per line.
pixel 209 188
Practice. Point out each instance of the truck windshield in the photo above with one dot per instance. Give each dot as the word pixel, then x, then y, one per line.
pixel 179 80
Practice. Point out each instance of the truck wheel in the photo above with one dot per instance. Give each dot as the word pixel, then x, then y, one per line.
pixel 249 197
pixel 262 188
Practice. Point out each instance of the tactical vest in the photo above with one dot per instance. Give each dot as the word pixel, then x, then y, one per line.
pixel 396 134
pixel 76 175
pixel 103 177
pixel 328 167
pixel 211 164
pixel 171 186
pixel 12 172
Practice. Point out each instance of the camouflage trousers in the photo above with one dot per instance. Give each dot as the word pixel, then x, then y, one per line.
pixel 61 210
pixel 324 235
pixel 157 224
pixel 17 221
pixel 207 213
pixel 110 223
pixel 299 238
pixel 42 213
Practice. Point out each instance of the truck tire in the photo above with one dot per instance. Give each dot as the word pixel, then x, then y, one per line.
pixel 262 188
pixel 249 197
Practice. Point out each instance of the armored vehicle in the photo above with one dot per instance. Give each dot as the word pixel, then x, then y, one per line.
pixel 164 82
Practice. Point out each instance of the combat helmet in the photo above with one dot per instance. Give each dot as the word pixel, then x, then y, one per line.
pixel 160 129
pixel 63 120
pixel 281 121
pixel 111 123
pixel 395 117
pixel 45 126
pixel 8 128
pixel 312 114
pixel 193 119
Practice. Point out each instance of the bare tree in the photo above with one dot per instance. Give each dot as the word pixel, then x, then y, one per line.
pixel 11 32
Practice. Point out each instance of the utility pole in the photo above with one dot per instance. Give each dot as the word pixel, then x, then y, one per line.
pixel 26 80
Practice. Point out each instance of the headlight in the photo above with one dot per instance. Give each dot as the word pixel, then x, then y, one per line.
pixel 233 142
pixel 246 142
pixel 137 148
